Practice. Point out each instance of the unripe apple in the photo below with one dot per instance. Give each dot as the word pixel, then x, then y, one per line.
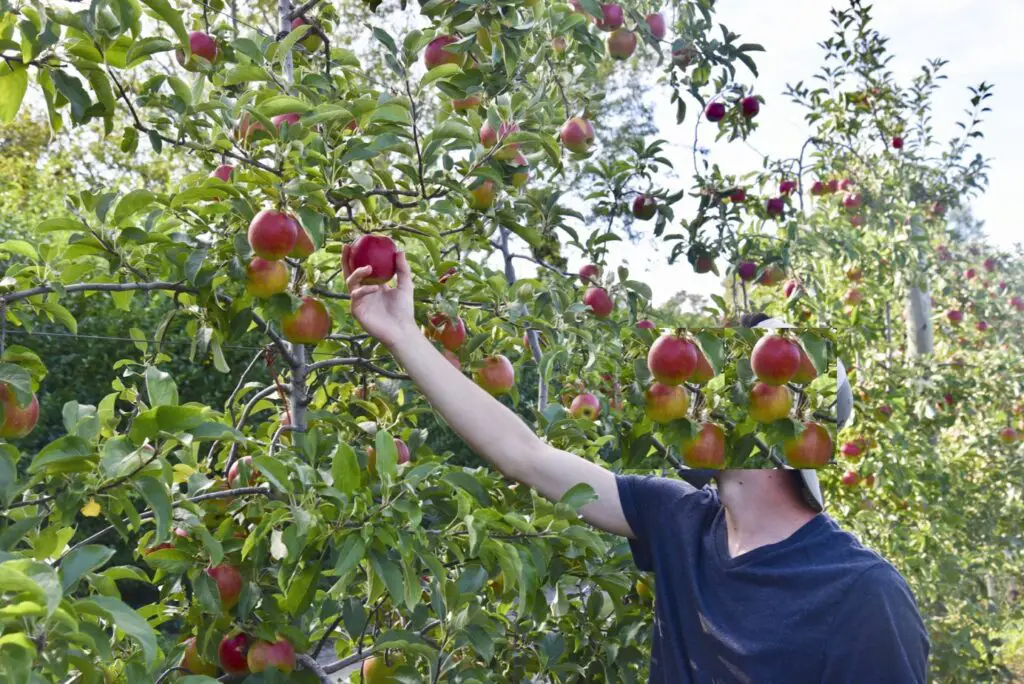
pixel 853 297
pixel 852 200
pixel 376 251
pixel 272 234
pixel 812 448
pixel 621 44
pixel 715 111
pixel 577 135
pixel 401 452
pixel 775 360
pixel 496 375
pixel 235 471
pixel 769 403
pixel 611 17
pixel 265 278
pixel 590 272
pixel 377 670
pixel 450 333
pixel 707 449
pixel 738 196
pixel 897 142
pixel 656 24
pixel 435 53
pixel 521 170
pixel 746 271
pixel 750 106
pixel 232 653
pixel 264 654
pixel 312 41
pixel 481 197
pixel 850 478
pixel 645 324
pixel 955 315
pixel 229 584
pixel 18 421
pixel 202 45
pixel 223 172
pixel 464 104
pixel 775 206
pixel 599 301
pixel 585 406
pixel 193 663
pixel 308 324
pixel 787 187
pixel 672 359
pixel 666 403
pixel 643 590
pixel 806 372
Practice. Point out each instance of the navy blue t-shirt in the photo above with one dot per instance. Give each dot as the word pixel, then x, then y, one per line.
pixel 816 608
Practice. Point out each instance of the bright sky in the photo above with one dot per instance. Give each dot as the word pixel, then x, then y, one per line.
pixel 977 38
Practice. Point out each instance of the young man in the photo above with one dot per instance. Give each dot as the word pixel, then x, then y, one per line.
pixel 754 584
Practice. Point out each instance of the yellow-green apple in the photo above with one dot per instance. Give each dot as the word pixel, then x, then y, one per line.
pixel 308 324
pixel 775 359
pixel 703 373
pixel 312 41
pixel 489 138
pixel 585 406
pixel 577 135
pixel 18 421
pixel 672 359
pixel 193 663
pixel 272 234
pixel 279 654
pixel 496 375
pixel 265 278
pixel 520 171
pixel 376 251
pixel 599 301
pixel 812 448
pixel 666 403
pixel 707 449
pixel 769 403
pixel 772 275
pixel 481 195
pixel 378 670
pixel 643 590
pixel 806 371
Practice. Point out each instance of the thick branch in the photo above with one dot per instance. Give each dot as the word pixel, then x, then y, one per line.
pixel 310 664
pixel 301 10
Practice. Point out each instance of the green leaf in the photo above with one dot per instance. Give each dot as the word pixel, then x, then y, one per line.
pixel 159 502
pixel 68 451
pixel 345 469
pixel 443 71
pixel 283 104
pixel 55 225
pixel 387 455
pixel 31 580
pixel 284 47
pixel 275 472
pixel 208 594
pixel 390 113
pixel 144 47
pixel 120 457
pixel 19 380
pixel 213 547
pixel 245 73
pixel 71 88
pixel 350 553
pixel 466 481
pixel 132 203
pixel 80 561
pixel 165 11
pixel 391 573
pixel 21 248
pixel 13 84
pixel 60 314
pixel 8 474
pixel 125 619
pixel 300 589
pixel 578 496
pixel 160 388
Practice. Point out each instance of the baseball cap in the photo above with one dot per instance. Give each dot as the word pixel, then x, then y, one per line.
pixel 810 486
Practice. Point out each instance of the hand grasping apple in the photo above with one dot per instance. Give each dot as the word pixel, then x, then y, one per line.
pixel 385 312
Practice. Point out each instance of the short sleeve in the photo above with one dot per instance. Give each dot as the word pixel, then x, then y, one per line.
pixel 649 504
pixel 878 635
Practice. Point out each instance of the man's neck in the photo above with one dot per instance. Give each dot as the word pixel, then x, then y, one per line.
pixel 761 507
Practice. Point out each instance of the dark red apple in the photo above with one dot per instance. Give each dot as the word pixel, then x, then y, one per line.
pixel 750 106
pixel 272 234
pixel 672 359
pixel 436 55
pixel 599 301
pixel 775 359
pixel 376 251
pixel 715 111
pixel 232 653
pixel 656 23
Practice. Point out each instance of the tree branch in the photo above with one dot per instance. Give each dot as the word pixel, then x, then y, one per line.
pixel 308 662
pixel 358 362
pixel 301 10
pixel 98 287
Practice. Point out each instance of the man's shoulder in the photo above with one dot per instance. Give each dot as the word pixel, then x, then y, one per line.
pixel 664 491
pixel 865 570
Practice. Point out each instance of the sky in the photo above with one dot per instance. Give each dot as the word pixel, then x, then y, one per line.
pixel 980 42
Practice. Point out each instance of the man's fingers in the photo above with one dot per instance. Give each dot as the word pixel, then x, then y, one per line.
pixel 354 279
pixel 404 272
pixel 344 260
pixel 365 291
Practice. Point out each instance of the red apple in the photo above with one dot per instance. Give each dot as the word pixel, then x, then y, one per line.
pixel 746 271
pixel 656 23
pixel 832 185
pixel 229 584
pixel 611 17
pixel 303 245
pixel 683 56
pixel 812 448
pixel 265 278
pixel 846 184
pixel 489 138
pixel 435 54
pixel 18 421
pixel 982 326
pixel 291 118
pixel 750 106
pixel 805 372
pixel 223 172
pixel 790 288
pixel 235 471
pixel 599 301
pixel 775 206
pixel 247 128
pixel 666 403
pixel 897 142
pixel 852 200
pixel 707 449
pixel 852 450
pixel 703 373
pixel 308 324
pixel 850 478
pixel 644 207
pixel 464 104
pixel 232 652
pixel 645 324
pixel 672 359
pixel 738 196
pixel 453 359
pixel 590 272
pixel 856 220
pixel 401 452
pixel 496 375
pixel 989 264
pixel 769 403
pixel 853 297
pixel 772 275
pixel 970 274
pixel 193 663
pixel 481 196
pixel 818 188
pixel 1008 435
pixel 451 334
pixel 787 187
pixel 264 654
pixel 585 406
pixel 577 135
pixel 312 41
pixel 884 412
pixel 202 45
pixel 376 251
pixel 775 360
pixel 703 264
pixel 272 234
pixel 955 315
pixel 621 44
pixel 715 111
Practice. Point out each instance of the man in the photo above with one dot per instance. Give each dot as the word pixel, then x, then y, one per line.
pixel 753 583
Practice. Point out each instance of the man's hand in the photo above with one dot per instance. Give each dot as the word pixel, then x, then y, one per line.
pixel 485 424
pixel 385 312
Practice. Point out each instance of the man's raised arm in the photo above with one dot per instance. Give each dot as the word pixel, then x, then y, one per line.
pixel 489 428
